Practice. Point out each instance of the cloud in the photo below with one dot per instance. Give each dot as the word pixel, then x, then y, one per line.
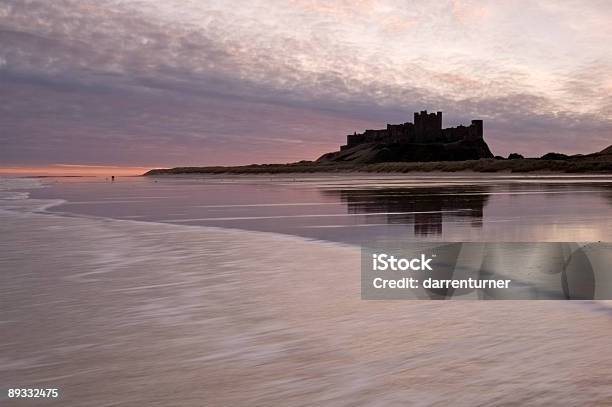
pixel 207 83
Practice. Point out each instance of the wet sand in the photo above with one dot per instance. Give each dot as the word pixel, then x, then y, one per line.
pixel 124 313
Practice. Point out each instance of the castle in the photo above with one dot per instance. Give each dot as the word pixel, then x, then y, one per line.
pixel 426 129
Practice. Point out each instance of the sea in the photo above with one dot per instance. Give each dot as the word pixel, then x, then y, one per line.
pixel 356 209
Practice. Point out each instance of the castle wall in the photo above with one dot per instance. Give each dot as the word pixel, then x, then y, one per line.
pixel 401 133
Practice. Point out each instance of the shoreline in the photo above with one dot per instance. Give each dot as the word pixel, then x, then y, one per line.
pixel 359 174
pixel 515 166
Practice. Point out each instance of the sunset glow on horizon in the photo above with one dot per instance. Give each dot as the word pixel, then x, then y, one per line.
pixel 62 170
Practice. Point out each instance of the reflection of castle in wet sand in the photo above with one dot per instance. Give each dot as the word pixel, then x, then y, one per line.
pixel 425 208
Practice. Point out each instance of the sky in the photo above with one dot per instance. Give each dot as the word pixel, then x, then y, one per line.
pixel 181 82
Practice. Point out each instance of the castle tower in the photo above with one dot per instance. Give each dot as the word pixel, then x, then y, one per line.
pixel 427 126
pixel 420 125
pixel 478 125
pixel 475 131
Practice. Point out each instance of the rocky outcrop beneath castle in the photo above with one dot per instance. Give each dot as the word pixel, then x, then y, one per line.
pixel 423 140
pixel 411 152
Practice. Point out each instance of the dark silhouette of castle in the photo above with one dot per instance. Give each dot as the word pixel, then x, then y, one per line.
pixel 427 128
pixel 423 140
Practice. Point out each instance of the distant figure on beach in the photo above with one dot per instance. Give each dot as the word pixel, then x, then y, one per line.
pixel 112 178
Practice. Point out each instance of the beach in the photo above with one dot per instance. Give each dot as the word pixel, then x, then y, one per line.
pixel 122 312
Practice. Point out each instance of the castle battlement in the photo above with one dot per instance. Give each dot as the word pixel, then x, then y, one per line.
pixel 426 129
